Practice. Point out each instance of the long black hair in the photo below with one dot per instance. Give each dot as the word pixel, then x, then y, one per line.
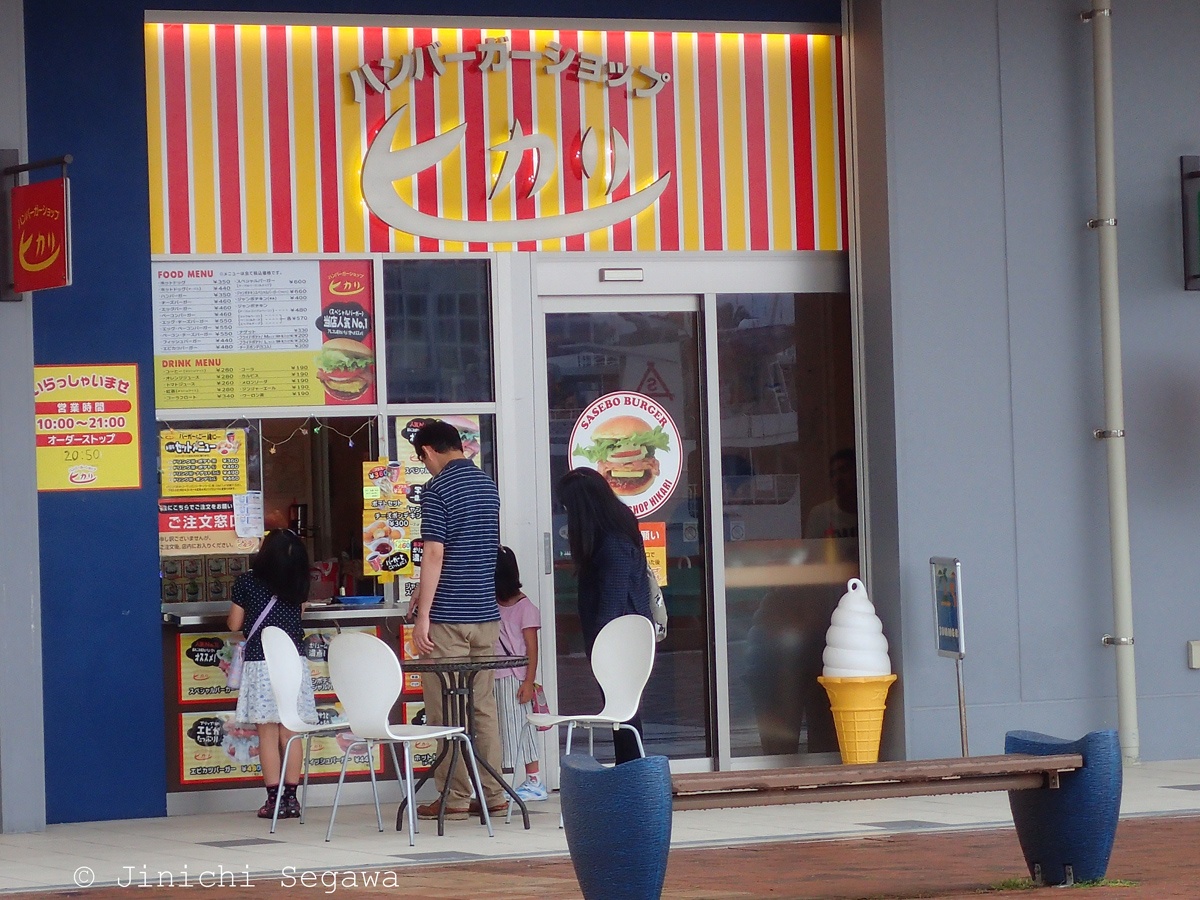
pixel 282 565
pixel 593 511
pixel 508 576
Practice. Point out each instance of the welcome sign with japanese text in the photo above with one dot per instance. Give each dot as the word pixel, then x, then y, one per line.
pixel 86 427
pixel 310 139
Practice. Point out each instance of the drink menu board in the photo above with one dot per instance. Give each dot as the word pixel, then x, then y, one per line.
pixel 260 334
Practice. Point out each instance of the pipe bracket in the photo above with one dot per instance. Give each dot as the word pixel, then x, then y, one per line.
pixel 1090 14
pixel 1109 641
pixel 1097 223
pixel 1101 434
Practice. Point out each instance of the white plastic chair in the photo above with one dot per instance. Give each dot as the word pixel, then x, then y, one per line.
pixel 286 668
pixel 368 679
pixel 622 658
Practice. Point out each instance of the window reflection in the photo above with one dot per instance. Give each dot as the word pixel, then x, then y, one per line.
pixel 438 322
pixel 789 491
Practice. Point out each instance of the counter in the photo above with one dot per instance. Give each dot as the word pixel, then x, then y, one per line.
pixel 206 748
pixel 212 614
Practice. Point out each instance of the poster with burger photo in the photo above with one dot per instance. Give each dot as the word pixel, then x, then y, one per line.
pixel 633 442
pixel 345 365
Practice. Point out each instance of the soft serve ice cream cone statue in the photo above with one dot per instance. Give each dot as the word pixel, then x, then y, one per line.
pixel 857 674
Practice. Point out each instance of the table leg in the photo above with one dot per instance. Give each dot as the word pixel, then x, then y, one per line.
pixel 508 789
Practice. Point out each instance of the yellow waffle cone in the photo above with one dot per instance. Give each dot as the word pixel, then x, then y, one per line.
pixel 857 705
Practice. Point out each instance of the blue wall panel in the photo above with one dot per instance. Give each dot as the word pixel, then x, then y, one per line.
pixel 105 743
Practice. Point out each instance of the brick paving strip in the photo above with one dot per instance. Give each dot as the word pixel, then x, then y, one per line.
pixel 1158 854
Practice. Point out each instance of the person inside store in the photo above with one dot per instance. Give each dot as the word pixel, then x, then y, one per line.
pixel 786 639
pixel 456 610
pixel 837 517
pixel 273 592
pixel 610 563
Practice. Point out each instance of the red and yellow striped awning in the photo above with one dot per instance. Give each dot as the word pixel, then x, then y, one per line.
pixel 258 133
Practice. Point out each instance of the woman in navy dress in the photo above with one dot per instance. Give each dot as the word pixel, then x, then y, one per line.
pixel 610 561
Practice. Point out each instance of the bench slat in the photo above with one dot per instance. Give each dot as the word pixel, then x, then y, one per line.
pixel 922 777
pixel 878 790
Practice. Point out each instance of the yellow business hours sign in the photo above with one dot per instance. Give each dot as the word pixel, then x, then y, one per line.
pixel 86 427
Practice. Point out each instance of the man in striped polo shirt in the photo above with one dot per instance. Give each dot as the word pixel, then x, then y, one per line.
pixel 456 609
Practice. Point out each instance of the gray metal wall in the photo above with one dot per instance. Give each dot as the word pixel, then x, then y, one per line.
pixel 22 774
pixel 993 361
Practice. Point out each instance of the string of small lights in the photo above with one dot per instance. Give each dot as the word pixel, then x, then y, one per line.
pixel 312 422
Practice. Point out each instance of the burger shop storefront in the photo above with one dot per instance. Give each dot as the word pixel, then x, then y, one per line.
pixel 617 249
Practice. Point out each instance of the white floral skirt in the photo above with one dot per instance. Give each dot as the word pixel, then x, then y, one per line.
pixel 256 702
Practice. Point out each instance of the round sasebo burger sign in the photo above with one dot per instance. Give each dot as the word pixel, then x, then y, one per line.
pixel 632 441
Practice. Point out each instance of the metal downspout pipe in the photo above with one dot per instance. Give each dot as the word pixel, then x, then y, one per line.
pixel 1113 433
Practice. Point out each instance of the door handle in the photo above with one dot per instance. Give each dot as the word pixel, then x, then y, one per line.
pixel 547 550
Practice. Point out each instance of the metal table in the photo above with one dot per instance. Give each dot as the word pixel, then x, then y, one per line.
pixel 457 677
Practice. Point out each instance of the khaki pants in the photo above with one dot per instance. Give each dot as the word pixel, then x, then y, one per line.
pixel 472 639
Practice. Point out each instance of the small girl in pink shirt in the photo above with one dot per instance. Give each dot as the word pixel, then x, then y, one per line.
pixel 519 624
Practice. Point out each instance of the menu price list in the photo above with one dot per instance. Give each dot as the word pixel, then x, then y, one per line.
pixel 238 379
pixel 221 307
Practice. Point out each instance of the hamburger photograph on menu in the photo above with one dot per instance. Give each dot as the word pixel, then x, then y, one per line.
pixel 632 441
pixel 346 368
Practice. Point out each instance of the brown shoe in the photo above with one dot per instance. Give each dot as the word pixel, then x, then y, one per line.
pixel 498 807
pixel 430 811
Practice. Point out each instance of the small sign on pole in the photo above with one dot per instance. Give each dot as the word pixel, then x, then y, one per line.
pixel 946 579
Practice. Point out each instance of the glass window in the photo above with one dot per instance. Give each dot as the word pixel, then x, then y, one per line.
pixel 789 495
pixel 657 354
pixel 437 318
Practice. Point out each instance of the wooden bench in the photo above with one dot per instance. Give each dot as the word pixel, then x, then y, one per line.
pixel 912 778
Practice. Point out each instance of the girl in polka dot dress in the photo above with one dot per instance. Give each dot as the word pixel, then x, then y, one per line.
pixel 280 570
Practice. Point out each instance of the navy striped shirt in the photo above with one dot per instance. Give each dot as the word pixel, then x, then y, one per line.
pixel 460 509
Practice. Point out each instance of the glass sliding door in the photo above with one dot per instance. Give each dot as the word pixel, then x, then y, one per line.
pixel 627 359
pixel 790 509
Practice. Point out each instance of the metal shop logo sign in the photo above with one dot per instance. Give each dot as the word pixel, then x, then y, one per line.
pixel 41 250
pixel 383 165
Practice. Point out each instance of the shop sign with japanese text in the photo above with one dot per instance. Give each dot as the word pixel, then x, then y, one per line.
pixel 41 235
pixel 203 462
pixel 86 427
pixel 196 526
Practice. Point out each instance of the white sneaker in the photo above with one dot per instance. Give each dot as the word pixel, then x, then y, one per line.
pixel 533 790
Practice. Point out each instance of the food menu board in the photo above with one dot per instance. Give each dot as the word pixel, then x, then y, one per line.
pixel 204 659
pixel 388 517
pixel 316 651
pixel 424 753
pixel 200 462
pixel 203 666
pixel 86 427
pixel 408 650
pixel 267 333
pixel 217 749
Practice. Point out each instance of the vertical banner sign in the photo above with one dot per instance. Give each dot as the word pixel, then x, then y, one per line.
pixel 86 427
pixel 41 235
pixel 346 363
pixel 946 573
pixel 387 521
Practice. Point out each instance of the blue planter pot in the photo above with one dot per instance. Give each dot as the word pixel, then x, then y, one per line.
pixel 618 825
pixel 1075 824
